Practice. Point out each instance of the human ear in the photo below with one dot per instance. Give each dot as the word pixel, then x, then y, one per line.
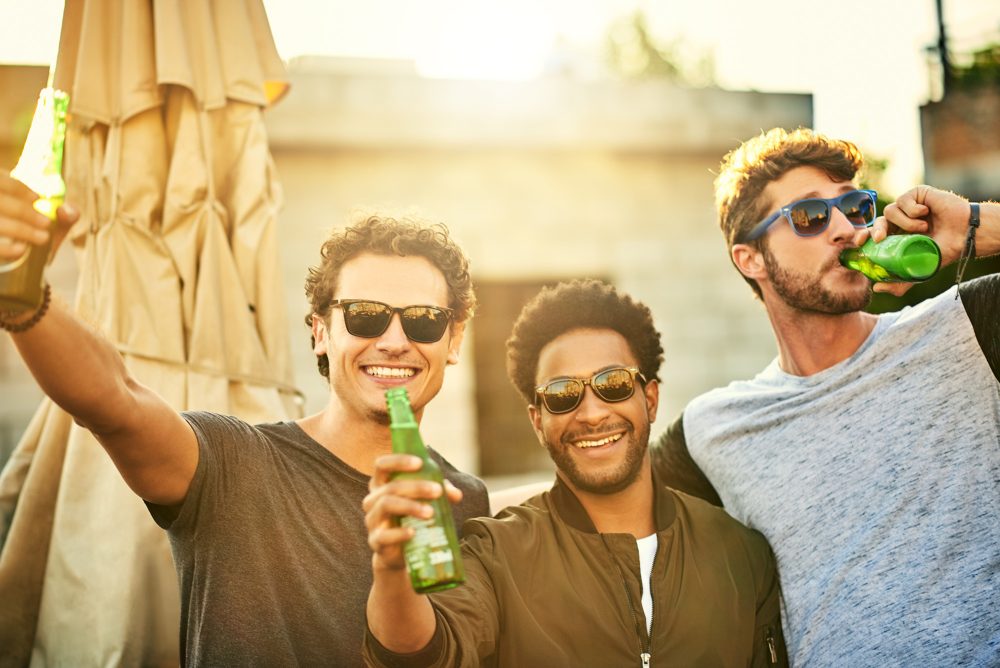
pixel 749 261
pixel 652 395
pixel 455 342
pixel 320 335
pixel 535 415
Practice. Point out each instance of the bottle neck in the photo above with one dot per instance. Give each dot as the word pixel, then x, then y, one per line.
pixel 406 440
pixel 403 427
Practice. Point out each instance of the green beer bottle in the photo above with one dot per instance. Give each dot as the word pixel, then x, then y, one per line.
pixel 900 258
pixel 433 556
pixel 39 168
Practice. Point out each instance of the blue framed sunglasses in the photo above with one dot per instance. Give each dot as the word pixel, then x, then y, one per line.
pixel 809 217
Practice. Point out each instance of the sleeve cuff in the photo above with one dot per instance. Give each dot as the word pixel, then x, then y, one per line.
pixel 427 656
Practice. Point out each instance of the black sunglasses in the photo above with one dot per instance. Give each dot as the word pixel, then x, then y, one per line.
pixel 612 385
pixel 368 319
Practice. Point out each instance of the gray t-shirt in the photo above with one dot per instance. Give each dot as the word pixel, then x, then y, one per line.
pixel 271 548
pixel 877 483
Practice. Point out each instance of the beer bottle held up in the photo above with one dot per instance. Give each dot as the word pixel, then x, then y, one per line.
pixel 900 258
pixel 433 557
pixel 39 168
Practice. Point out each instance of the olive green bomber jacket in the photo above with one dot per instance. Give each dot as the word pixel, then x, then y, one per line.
pixel 544 588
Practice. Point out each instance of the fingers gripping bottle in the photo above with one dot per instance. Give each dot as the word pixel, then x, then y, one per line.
pixel 901 258
pixel 433 557
pixel 39 168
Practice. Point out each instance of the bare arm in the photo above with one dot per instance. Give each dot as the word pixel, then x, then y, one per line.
pixel 399 618
pixel 944 216
pixel 150 443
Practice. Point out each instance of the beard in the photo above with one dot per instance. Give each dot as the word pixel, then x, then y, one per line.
pixel 607 481
pixel 804 292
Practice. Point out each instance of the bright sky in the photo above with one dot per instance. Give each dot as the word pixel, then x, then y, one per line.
pixel 863 60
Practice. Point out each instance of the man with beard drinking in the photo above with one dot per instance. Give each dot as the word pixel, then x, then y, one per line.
pixel 867 451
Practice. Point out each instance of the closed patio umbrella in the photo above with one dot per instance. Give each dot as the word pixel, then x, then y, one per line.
pixel 167 159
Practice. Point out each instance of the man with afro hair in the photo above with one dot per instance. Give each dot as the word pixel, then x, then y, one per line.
pixel 609 567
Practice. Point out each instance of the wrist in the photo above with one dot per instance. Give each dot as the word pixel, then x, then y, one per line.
pixel 17 322
pixel 988 235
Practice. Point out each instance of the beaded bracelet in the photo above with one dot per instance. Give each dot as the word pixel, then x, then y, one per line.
pixel 969 252
pixel 30 322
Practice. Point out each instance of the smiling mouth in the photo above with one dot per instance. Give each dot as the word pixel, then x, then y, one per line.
pixel 598 443
pixel 389 372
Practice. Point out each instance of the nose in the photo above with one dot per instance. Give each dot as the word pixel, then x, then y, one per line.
pixel 592 409
pixel 393 340
pixel 841 231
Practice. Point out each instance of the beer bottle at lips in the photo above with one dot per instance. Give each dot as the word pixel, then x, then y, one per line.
pixel 900 258
pixel 433 557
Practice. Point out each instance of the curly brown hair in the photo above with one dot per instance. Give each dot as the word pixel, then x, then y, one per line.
pixel 385 235
pixel 579 304
pixel 747 170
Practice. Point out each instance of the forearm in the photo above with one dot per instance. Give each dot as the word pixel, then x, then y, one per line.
pixel 399 618
pixel 77 368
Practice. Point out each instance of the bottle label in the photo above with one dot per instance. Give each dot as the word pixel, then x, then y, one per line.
pixel 429 545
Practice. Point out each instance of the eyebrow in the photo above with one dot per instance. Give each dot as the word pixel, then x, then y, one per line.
pixel 847 187
pixel 592 374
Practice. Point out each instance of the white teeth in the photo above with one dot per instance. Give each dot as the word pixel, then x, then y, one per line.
pixel 594 444
pixel 388 372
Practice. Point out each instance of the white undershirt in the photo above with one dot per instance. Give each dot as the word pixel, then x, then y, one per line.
pixel 647 551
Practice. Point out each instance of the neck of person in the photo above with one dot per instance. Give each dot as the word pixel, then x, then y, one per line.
pixel 355 439
pixel 627 511
pixel 812 342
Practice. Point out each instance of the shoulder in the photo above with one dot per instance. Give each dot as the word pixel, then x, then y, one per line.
pixel 213 428
pixel 226 433
pixel 514 523
pixel 475 499
pixel 711 526
pixel 464 481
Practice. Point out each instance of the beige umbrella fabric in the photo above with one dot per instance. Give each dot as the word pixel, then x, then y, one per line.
pixel 167 159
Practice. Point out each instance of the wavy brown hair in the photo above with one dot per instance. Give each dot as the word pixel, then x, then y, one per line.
pixel 383 235
pixel 747 170
pixel 579 304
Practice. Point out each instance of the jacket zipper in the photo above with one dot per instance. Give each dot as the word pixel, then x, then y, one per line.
pixel 644 648
pixel 769 639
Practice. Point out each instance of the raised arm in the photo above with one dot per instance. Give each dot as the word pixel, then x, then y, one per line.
pixel 944 216
pixel 947 217
pixel 150 443
pixel 400 619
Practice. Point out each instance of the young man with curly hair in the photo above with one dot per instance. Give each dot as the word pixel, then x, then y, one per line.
pixel 265 521
pixel 867 451
pixel 609 568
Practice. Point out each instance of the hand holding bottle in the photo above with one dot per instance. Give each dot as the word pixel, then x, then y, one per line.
pixel 401 619
pixel 941 215
pixel 21 225
pixel 40 169
pixel 389 498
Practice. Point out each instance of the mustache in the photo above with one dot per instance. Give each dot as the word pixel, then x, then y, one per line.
pixel 576 435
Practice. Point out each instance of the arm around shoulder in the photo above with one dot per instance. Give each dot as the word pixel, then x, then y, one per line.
pixel 675 468
pixel 769 642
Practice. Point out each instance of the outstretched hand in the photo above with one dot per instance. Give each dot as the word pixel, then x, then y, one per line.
pixel 941 215
pixel 390 499
pixel 21 225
